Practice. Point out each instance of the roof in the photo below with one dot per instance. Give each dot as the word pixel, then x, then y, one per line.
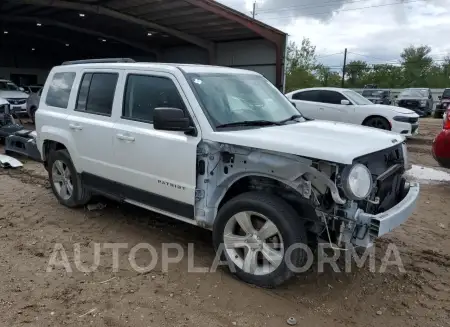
pixel 145 22
pixel 188 68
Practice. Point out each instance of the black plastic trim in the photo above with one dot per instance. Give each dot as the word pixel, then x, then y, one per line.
pixel 122 191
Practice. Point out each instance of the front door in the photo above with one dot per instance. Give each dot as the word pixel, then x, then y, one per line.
pixel 159 165
pixel 330 107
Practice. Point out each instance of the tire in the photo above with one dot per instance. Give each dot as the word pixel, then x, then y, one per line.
pixel 378 122
pixel 79 195
pixel 288 224
pixel 438 114
pixel 32 114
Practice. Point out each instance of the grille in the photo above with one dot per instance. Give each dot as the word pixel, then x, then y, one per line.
pixel 16 101
pixel 387 168
pixel 409 104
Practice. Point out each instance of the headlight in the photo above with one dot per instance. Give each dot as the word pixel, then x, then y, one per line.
pixel 357 182
pixel 423 102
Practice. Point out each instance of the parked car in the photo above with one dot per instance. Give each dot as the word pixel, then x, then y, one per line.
pixel 15 95
pixel 444 101
pixel 30 89
pixel 378 96
pixel 33 103
pixel 441 143
pixel 348 106
pixel 419 100
pixel 167 138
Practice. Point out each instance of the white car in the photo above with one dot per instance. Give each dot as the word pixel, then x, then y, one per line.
pixel 15 95
pixel 223 149
pixel 348 106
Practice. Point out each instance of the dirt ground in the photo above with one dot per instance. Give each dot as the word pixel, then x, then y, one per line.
pixel 32 222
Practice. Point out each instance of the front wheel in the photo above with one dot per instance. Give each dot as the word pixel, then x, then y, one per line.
pixel 261 238
pixel 378 122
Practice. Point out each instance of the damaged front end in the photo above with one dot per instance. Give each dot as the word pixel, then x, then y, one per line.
pixel 316 189
pixel 392 199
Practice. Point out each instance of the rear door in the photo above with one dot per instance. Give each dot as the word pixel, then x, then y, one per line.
pixel 158 167
pixel 306 102
pixel 91 124
pixel 330 107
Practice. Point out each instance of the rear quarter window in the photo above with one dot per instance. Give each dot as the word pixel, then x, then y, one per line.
pixel 59 90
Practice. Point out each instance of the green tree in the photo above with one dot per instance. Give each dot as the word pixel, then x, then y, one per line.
pixel 417 64
pixel 300 65
pixel 326 77
pixel 355 72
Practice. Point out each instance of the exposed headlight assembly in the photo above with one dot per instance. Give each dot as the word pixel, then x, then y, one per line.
pixel 357 182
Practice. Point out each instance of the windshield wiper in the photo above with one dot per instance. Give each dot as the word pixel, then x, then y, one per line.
pixel 294 117
pixel 250 123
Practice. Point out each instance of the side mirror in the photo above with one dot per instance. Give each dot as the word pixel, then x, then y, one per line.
pixel 293 103
pixel 22 89
pixel 345 102
pixel 395 96
pixel 171 119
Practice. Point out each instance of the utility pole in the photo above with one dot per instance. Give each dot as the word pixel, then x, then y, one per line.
pixel 343 68
pixel 254 10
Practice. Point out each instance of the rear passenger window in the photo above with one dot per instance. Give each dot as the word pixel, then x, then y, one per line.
pixel 96 94
pixel 145 93
pixel 311 95
pixel 59 90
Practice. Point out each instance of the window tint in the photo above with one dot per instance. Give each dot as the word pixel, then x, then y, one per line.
pixel 145 93
pixel 307 96
pixel 331 97
pixel 96 94
pixel 59 90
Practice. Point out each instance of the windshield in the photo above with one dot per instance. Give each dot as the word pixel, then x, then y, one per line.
pixel 372 94
pixel 413 93
pixel 356 98
pixel 234 98
pixel 8 86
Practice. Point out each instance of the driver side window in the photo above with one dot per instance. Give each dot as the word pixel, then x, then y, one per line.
pixel 331 97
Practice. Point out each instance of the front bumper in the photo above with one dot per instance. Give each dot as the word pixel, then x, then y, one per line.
pixel 383 223
pixel 404 128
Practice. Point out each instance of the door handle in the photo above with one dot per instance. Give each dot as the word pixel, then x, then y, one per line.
pixel 76 126
pixel 124 137
pixel 321 108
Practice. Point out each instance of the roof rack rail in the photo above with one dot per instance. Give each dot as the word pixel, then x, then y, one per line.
pixel 97 61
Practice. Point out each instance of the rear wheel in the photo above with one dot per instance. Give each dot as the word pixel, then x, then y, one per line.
pixel 64 180
pixel 377 122
pixel 254 232
pixel 32 113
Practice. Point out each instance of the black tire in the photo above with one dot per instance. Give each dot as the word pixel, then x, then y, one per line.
pixel 80 195
pixel 378 122
pixel 284 217
pixel 438 114
pixel 32 114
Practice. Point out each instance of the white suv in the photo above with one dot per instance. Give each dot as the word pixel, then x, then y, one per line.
pixel 223 149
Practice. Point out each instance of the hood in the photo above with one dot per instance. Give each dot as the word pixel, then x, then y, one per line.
pixel 324 140
pixel 411 98
pixel 13 94
pixel 382 107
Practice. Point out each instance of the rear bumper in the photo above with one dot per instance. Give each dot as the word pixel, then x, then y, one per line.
pixel 383 223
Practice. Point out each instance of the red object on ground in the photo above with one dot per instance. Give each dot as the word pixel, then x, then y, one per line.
pixel 441 143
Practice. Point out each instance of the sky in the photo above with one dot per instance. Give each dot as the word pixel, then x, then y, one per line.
pixel 372 30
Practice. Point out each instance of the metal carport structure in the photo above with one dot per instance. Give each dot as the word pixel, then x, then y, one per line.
pixel 199 31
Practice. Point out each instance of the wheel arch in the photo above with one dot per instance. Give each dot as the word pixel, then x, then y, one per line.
pixel 377 116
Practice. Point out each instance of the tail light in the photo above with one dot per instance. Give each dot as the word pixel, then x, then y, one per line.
pixel 446 119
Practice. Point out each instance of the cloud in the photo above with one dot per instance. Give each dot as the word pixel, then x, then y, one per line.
pixel 292 9
pixel 376 30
